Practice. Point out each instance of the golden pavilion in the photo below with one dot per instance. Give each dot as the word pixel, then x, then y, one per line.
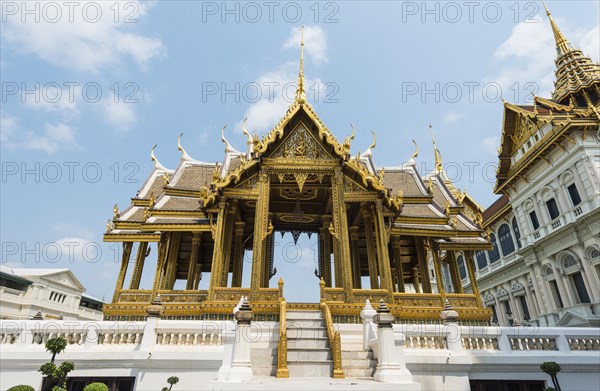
pixel 394 226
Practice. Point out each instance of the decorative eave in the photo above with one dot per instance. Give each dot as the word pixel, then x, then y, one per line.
pixel 492 219
pixel 132 237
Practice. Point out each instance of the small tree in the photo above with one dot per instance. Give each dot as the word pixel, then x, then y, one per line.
pixel 552 368
pixel 56 374
pixel 172 380
pixel 97 386
pixel 21 388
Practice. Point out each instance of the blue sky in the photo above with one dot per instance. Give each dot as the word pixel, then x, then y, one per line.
pixel 88 90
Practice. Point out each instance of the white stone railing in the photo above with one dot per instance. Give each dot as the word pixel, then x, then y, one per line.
pixel 431 337
pixel 176 332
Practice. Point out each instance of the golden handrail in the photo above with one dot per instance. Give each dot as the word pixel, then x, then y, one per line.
pixel 282 369
pixel 335 342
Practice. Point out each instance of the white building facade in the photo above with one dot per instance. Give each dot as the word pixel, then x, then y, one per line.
pixel 545 229
pixel 53 293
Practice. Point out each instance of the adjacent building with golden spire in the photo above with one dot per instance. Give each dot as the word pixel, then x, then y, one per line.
pixel 544 266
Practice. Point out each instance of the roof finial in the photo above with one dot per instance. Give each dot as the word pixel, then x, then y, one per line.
pixel 563 45
pixel 157 165
pixel 415 154
pixel 228 147
pixel 300 92
pixel 184 154
pixel 436 152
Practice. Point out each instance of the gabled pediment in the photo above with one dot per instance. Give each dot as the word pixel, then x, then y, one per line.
pixel 300 144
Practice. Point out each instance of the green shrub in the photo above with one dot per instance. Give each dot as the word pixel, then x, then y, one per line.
pixel 21 388
pixel 96 387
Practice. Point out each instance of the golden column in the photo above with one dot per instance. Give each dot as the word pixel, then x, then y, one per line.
pixel 238 254
pixel 326 253
pixel 163 247
pixel 228 240
pixel 192 270
pixel 171 266
pixel 423 265
pixel 124 262
pixel 217 259
pixel 396 246
pixel 371 256
pixel 472 278
pixel 438 272
pixel 261 230
pixel 267 259
pixel 355 257
pixel 383 255
pixel 337 267
pixel 139 265
pixel 456 280
pixel 340 227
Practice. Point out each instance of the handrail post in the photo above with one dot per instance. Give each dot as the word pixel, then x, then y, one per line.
pixel 335 342
pixel 282 369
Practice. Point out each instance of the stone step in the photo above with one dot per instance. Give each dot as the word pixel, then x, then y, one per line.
pixel 264 371
pixel 356 354
pixel 310 368
pixel 304 333
pixel 359 372
pixel 318 354
pixel 304 315
pixel 297 343
pixel 305 323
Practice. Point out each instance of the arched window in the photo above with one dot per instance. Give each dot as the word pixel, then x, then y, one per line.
pixel 516 231
pixel 569 261
pixel 506 241
pixel 595 253
pixel 494 253
pixel 481 259
pixel 461 267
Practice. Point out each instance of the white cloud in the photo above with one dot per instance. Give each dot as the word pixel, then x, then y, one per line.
pixel 315 43
pixel 527 58
pixel 53 98
pixel 590 43
pixel 52 139
pixel 452 116
pixel 119 114
pixel 8 127
pixel 265 113
pixel 491 144
pixel 84 45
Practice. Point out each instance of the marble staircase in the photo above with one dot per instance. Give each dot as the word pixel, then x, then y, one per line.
pixel 309 352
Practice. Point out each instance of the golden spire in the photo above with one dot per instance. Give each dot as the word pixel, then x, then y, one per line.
pixel 436 153
pixel 574 70
pixel 300 92
pixel 563 45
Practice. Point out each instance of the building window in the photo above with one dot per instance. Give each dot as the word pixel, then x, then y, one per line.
pixel 461 267
pixel 525 308
pixel 595 253
pixel 494 315
pixel 534 220
pixel 481 259
pixel 494 253
pixel 516 231
pixel 574 194
pixel 556 294
pixel 506 241
pixel 569 261
pixel 552 208
pixel 580 287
